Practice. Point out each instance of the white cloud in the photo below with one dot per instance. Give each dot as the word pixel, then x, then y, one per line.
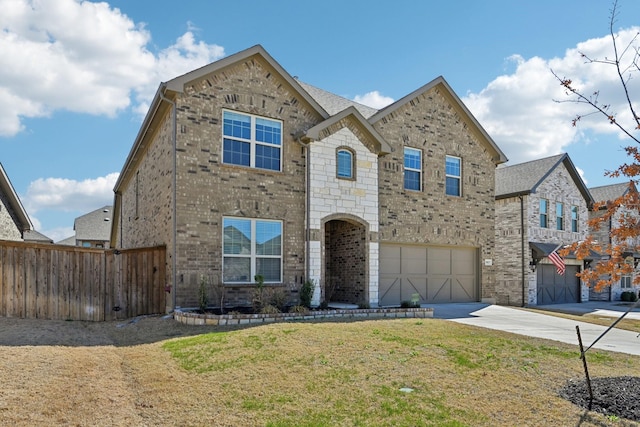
pixel 519 112
pixel 68 195
pixel 373 99
pixel 82 57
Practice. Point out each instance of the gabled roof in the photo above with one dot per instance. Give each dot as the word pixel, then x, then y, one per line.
pixel 24 222
pixel 35 236
pixel 610 192
pixel 333 103
pixel 177 84
pixel 474 125
pixel 95 225
pixel 524 178
pixel 313 134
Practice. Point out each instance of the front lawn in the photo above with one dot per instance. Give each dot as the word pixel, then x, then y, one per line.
pixel 389 372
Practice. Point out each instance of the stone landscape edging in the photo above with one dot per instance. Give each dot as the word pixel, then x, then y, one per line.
pixel 190 317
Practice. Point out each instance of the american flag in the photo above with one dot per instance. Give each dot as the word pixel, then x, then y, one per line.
pixel 557 261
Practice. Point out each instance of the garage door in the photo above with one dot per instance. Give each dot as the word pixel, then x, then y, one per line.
pixel 437 274
pixel 556 289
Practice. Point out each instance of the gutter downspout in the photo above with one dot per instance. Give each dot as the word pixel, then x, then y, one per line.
pixel 522 266
pixel 174 196
pixel 307 214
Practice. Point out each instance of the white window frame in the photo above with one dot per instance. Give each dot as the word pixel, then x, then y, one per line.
pixel 252 141
pixel 352 168
pixel 544 214
pixel 574 219
pixel 457 177
pixel 253 256
pixel 626 280
pixel 411 169
pixel 560 218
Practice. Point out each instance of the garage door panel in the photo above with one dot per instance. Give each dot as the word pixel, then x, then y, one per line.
pixel 463 262
pixel 390 259
pixel 415 285
pixel 414 260
pixel 439 261
pixel 389 290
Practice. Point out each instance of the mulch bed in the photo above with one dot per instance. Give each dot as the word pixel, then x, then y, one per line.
pixel 618 396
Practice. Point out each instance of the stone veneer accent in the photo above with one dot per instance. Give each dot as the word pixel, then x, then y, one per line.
pixel 557 187
pixel 347 211
pixel 8 228
pixel 191 318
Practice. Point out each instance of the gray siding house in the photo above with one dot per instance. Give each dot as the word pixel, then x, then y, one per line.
pixel 241 169
pixel 92 230
pixel 14 221
pixel 541 205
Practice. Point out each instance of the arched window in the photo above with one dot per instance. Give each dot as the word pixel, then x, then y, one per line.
pixel 345 163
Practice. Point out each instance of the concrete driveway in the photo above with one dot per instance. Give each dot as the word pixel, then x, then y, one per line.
pixel 533 324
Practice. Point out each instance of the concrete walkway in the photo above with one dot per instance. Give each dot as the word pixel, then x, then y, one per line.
pixel 534 324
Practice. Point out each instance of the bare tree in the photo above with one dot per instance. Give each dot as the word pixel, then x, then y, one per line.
pixel 622 215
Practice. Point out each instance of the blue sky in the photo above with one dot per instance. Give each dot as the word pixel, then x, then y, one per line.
pixel 76 77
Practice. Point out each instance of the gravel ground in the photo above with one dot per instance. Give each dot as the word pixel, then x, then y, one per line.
pixel 618 396
pixel 139 330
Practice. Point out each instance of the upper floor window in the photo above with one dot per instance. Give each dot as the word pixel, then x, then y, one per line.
pixel 544 213
pixel 453 171
pixel 559 216
pixel 345 164
pixel 251 141
pixel 574 219
pixel 251 247
pixel 412 169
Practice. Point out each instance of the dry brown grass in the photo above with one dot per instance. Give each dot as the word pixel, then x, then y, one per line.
pixel 292 374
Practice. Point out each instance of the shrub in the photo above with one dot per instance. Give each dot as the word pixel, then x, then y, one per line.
pixel 269 309
pixel 364 305
pixel 277 297
pixel 306 293
pixel 629 296
pixel 299 309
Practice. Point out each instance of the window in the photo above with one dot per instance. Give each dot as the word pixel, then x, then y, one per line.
pixel 559 216
pixel 251 247
pixel 453 171
pixel 251 141
pixel 544 213
pixel 345 163
pixel 412 169
pixel 574 219
pixel 625 279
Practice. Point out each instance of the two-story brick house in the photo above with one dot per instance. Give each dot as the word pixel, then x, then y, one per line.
pixel 241 169
pixel 541 206
pixel 611 193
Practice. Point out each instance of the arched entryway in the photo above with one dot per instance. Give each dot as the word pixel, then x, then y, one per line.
pixel 346 260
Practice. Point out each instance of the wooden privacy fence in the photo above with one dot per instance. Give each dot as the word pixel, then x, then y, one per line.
pixel 73 283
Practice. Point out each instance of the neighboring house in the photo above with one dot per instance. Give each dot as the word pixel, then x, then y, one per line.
pixel 241 169
pixel 14 221
pixel 92 230
pixel 35 237
pixel 541 205
pixel 609 193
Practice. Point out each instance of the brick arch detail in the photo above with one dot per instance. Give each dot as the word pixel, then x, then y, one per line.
pixel 345 259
